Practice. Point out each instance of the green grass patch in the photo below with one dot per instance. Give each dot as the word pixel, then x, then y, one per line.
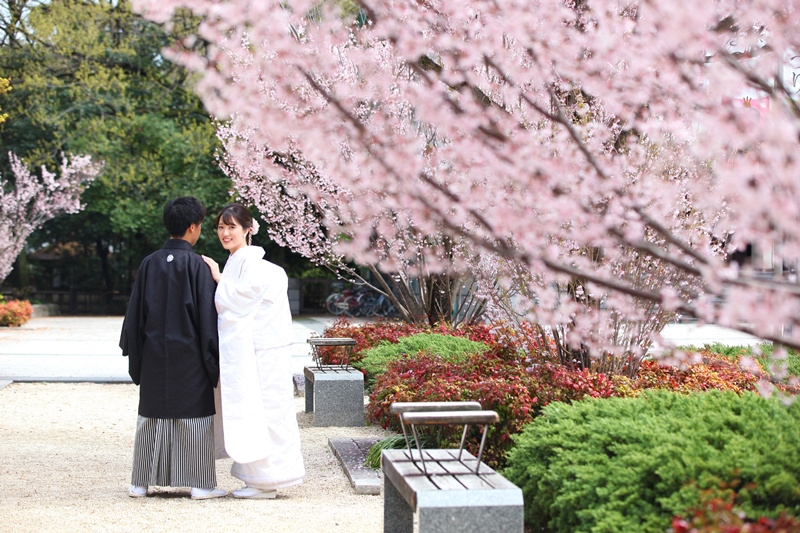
pixel 395 442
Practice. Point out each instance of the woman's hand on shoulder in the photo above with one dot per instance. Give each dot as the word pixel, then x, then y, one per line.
pixel 213 266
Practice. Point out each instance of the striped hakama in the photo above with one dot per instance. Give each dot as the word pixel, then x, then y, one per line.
pixel 174 452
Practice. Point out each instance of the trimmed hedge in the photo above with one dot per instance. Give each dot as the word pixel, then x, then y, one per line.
pixel 449 348
pixel 632 464
pixel 504 340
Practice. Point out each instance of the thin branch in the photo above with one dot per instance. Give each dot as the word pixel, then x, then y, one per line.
pixel 663 255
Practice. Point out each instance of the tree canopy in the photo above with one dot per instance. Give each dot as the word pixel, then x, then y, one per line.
pixel 567 139
pixel 89 77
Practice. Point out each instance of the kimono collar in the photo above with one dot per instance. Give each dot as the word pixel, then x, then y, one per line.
pixel 179 244
pixel 248 252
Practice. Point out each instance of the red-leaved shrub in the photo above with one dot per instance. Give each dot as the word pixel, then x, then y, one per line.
pixel 509 386
pixel 15 312
pixel 717 513
pixel 715 372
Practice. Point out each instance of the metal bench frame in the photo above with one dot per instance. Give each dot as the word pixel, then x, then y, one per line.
pixel 441 414
pixel 347 343
pixel 341 386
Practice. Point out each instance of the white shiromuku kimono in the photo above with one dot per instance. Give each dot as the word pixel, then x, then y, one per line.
pixel 255 423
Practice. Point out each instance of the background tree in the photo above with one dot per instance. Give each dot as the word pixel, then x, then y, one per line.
pixel 27 201
pixel 89 78
pixel 671 165
pixel 4 88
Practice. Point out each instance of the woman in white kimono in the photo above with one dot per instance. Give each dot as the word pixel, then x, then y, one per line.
pixel 256 424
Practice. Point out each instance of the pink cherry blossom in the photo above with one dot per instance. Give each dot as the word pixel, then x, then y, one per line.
pixel 30 201
pixel 539 146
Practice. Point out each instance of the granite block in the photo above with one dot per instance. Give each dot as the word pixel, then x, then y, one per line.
pixel 335 394
pixel 447 502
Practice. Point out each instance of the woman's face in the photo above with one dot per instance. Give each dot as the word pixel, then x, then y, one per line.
pixel 231 235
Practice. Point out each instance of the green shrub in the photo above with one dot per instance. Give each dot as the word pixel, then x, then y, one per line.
pixel 631 464
pixel 448 348
pixel 766 359
pixel 731 352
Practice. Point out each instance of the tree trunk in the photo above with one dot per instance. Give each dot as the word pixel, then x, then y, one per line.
pixel 440 302
pixel 108 279
pixel 22 272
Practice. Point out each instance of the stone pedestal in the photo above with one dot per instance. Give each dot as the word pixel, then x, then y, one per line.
pixel 335 394
pixel 459 501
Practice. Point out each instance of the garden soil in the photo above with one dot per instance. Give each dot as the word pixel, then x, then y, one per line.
pixel 65 461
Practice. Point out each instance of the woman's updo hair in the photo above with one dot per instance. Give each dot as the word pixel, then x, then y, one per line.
pixel 236 213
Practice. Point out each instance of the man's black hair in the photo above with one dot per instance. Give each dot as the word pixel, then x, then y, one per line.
pixel 181 213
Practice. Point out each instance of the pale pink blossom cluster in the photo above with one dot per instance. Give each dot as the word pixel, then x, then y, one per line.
pixel 29 201
pixel 303 208
pixel 566 139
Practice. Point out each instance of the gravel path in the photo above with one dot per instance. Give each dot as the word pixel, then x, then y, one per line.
pixel 65 458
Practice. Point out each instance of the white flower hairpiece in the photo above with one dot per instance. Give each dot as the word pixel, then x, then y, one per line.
pixel 254 227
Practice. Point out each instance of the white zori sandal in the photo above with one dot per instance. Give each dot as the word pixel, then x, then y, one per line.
pixel 255 494
pixel 137 492
pixel 207 494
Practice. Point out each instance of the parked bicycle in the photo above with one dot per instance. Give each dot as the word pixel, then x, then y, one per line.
pixel 360 301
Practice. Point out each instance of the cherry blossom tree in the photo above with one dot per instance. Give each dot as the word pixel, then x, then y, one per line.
pixel 278 184
pixel 28 201
pixel 607 155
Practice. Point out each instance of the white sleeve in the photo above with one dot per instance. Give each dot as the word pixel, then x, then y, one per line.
pixel 245 292
pixel 277 284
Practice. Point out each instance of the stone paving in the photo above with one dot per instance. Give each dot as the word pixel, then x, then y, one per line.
pixel 352 453
pixel 86 348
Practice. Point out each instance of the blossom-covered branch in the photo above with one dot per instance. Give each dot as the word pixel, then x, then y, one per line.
pixel 536 131
pixel 28 201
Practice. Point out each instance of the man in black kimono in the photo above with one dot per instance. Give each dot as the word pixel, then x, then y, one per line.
pixel 170 337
